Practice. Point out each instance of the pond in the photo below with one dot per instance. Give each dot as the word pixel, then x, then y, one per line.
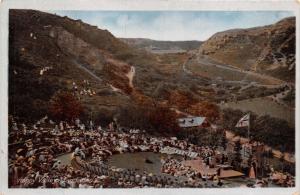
pixel 138 161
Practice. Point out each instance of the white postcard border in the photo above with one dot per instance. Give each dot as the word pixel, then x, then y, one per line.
pixel 227 5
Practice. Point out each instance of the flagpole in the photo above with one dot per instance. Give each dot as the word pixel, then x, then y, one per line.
pixel 249 128
pixel 245 122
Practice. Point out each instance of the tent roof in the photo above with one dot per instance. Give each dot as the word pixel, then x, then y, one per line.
pixel 191 121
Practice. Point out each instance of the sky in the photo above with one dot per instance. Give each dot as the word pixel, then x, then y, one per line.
pixel 174 25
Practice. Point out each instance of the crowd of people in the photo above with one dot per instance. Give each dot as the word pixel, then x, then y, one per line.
pixel 284 180
pixel 174 167
pixel 84 89
pixel 34 152
pixel 45 69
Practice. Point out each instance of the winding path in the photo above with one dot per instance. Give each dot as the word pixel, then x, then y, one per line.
pixel 206 62
pixel 130 76
pixel 79 65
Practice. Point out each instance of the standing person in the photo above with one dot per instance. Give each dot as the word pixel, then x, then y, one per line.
pixel 15 126
pixel 61 126
pixel 91 124
pixel 99 128
pixel 56 130
pixel 77 122
pixel 82 127
pixel 111 126
pixel 24 128
pixel 115 123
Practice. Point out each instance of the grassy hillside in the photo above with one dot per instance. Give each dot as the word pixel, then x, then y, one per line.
pixel 75 52
pixel 268 49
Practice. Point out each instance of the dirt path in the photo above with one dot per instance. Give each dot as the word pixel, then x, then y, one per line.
pixel 115 89
pixel 207 62
pixel 79 65
pixel 278 98
pixel 184 69
pixel 130 76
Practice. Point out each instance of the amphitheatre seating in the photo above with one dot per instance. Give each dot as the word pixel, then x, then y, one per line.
pixel 126 175
pixel 172 150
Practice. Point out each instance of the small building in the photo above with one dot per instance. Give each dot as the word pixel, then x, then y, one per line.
pixel 193 122
pixel 226 171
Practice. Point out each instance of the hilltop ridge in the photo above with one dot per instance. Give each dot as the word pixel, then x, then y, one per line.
pixel 268 49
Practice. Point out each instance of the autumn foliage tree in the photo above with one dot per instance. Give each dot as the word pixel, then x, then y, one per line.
pixel 64 106
pixel 150 117
pixel 181 99
pixel 205 109
pixel 163 119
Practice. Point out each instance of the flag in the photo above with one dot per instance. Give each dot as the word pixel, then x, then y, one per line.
pixel 244 121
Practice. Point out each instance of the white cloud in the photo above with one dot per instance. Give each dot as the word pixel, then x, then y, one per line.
pixel 176 25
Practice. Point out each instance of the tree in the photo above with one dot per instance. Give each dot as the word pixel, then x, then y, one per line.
pixel 271 131
pixel 163 119
pixel 249 161
pixel 181 99
pixel 281 159
pixel 154 118
pixel 237 154
pixel 206 109
pixel 224 140
pixel 64 106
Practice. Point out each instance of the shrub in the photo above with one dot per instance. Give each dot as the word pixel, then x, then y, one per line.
pixel 64 106
pixel 154 119
pixel 272 131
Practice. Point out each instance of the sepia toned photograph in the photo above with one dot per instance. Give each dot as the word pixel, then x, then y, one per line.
pixel 151 99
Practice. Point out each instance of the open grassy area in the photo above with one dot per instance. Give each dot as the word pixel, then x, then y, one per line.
pixel 264 106
pixel 213 72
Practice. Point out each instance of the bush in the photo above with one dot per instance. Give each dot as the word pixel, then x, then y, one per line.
pixel 154 119
pixel 64 106
pixel 205 109
pixel 202 137
pixel 271 131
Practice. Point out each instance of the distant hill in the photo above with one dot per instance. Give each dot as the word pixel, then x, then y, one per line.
pixel 268 49
pixel 153 45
